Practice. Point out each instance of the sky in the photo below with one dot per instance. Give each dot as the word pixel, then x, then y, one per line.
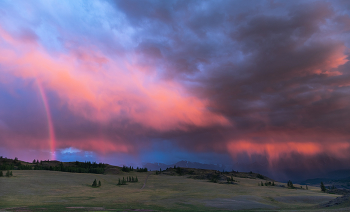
pixel 221 82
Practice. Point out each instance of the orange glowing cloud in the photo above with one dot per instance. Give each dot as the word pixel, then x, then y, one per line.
pixel 100 88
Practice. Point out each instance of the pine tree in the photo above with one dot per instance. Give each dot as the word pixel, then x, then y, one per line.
pixel 323 188
pixel 119 183
pixel 307 188
pixel 8 173
pixel 1 174
pixel 136 180
pixel 132 179
pixel 262 184
pixel 11 173
pixel 290 184
pixel 273 183
pixel 99 183
pixel 94 184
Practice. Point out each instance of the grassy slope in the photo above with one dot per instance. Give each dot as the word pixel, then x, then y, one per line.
pixel 58 190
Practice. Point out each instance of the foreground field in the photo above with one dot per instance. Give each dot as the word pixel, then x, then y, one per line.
pixel 39 190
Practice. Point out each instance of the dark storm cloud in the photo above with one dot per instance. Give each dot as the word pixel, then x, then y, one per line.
pixel 266 78
pixel 271 69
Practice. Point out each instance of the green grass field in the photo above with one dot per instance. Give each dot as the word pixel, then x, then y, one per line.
pixel 39 190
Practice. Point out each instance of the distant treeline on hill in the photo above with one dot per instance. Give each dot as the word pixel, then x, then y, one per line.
pixel 80 167
pixel 129 169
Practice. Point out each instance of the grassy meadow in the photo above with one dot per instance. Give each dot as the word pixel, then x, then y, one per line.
pixel 42 190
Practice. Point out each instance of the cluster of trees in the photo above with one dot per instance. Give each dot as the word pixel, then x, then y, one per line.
pixel 324 188
pixel 8 173
pixel 215 178
pixel 290 184
pixel 267 183
pixel 230 179
pixel 24 167
pixel 128 179
pixel 179 170
pixel 130 168
pixel 94 184
pixel 127 169
pixel 260 176
pixel 80 167
pixel 7 167
pixel 141 169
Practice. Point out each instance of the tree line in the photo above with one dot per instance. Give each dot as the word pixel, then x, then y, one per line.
pixel 80 167
pixel 129 169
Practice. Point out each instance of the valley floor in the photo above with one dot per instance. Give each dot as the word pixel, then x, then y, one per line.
pixel 35 190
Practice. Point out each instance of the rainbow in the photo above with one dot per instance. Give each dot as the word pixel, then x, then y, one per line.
pixel 52 141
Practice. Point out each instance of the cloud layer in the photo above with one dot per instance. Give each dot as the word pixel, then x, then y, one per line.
pixel 267 78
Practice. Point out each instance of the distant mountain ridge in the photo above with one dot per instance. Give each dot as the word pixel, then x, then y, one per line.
pixel 338 178
pixel 186 164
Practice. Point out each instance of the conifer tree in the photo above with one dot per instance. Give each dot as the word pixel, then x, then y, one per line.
pixel 8 173
pixel 119 183
pixel 94 184
pixel 132 179
pixel 1 174
pixel 99 183
pixel 11 173
pixel 323 188
pixel 136 180
pixel 307 188
pixel 290 184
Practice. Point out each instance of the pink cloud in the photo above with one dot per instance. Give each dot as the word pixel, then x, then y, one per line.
pixel 100 88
